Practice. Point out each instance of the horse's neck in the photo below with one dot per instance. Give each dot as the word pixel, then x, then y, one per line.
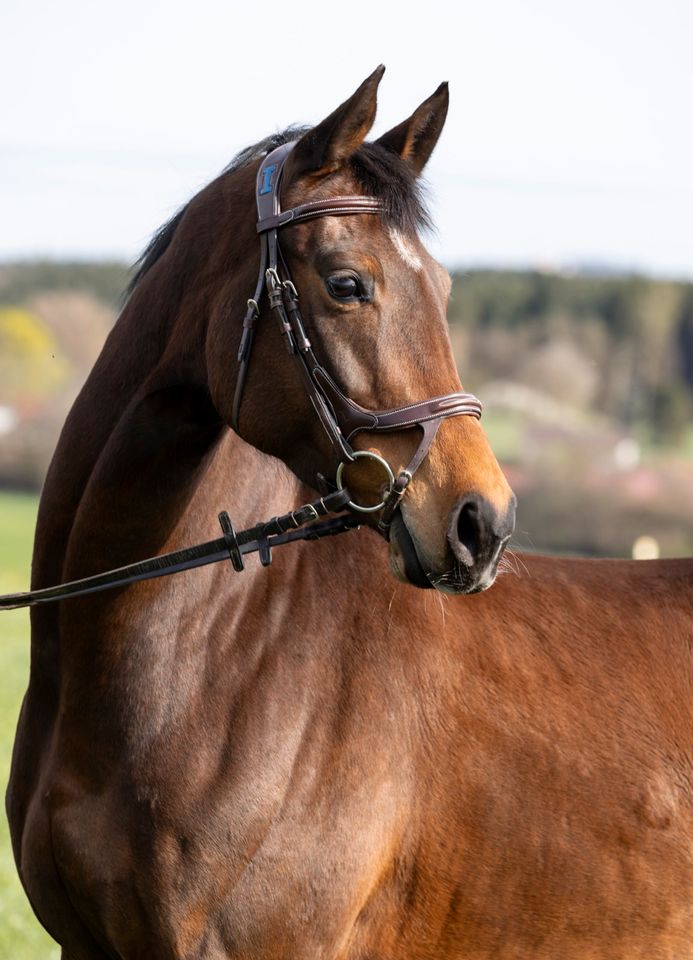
pixel 165 472
pixel 130 355
pixel 132 657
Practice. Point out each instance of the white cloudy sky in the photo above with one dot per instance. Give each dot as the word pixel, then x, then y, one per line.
pixel 569 138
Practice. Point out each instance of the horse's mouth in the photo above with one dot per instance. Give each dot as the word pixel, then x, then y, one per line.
pixel 407 566
pixel 404 560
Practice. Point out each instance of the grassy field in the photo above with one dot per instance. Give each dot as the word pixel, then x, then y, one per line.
pixel 21 936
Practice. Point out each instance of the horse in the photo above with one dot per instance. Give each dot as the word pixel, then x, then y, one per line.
pixel 360 751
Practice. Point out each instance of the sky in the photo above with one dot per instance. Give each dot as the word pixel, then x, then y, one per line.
pixel 569 141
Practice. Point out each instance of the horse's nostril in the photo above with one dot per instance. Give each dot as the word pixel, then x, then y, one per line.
pixel 478 532
pixel 467 533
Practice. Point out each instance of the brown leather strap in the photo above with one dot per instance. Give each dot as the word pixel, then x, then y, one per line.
pixel 354 418
pixel 232 545
pixel 332 206
pixel 402 481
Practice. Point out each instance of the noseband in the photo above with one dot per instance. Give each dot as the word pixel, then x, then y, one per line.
pixel 341 417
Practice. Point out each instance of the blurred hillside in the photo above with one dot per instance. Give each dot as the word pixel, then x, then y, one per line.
pixel 587 383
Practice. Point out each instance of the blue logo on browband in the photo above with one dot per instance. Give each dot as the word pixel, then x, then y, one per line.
pixel 267 175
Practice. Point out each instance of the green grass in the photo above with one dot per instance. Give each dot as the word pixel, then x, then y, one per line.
pixel 21 935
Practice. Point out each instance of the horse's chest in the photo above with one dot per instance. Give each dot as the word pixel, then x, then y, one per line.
pixel 263 834
pixel 287 878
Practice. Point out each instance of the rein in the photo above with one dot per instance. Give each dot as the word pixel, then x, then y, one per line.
pixel 231 546
pixel 341 417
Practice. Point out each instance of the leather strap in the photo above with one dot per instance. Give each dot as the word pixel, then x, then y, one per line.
pixel 332 206
pixel 355 418
pixel 402 481
pixel 258 539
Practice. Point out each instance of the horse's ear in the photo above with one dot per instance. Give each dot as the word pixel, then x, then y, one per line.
pixel 415 138
pixel 324 148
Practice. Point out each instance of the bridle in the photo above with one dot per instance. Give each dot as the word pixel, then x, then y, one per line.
pixel 341 417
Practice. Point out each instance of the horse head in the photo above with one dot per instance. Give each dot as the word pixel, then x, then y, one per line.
pixel 373 303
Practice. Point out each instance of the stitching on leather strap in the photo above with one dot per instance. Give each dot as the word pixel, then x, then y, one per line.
pixel 332 206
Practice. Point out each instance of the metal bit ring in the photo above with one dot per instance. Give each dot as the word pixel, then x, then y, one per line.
pixel 386 467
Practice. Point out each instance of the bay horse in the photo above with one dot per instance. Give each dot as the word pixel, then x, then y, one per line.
pixel 326 758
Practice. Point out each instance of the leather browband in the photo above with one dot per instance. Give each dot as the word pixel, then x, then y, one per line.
pixel 333 206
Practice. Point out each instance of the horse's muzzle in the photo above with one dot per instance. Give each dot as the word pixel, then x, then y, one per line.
pixel 476 538
pixel 478 535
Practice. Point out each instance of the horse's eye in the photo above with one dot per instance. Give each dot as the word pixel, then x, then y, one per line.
pixel 344 286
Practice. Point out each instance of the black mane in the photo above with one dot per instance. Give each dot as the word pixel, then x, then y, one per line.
pixel 382 174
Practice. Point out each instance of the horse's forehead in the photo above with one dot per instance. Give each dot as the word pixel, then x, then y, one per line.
pixel 392 247
pixel 360 235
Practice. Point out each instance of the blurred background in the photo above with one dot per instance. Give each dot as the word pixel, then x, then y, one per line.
pixel 561 190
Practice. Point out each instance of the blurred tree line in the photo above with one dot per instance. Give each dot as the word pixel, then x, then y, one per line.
pixel 569 368
pixel 621 346
pixel 20 282
pixel 588 386
pixel 54 318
